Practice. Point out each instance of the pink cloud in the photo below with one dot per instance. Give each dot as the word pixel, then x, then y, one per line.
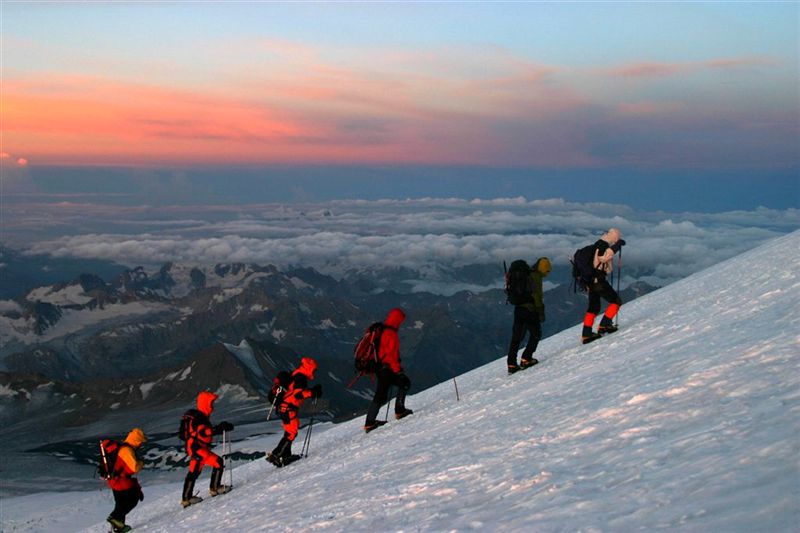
pixel 739 62
pixel 662 70
pixel 646 70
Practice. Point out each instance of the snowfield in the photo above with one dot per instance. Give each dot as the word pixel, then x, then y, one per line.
pixel 686 419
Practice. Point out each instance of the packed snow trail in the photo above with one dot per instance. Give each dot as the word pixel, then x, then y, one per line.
pixel 687 418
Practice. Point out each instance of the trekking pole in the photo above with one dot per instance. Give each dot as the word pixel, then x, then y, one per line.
pixel 387 405
pixel 619 277
pixel 271 407
pixel 226 450
pixel 307 440
pixel 456 385
pixel 105 461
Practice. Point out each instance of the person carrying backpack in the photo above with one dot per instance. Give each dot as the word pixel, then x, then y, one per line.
pixel 390 372
pixel 528 313
pixel 121 464
pixel 297 391
pixel 197 429
pixel 601 257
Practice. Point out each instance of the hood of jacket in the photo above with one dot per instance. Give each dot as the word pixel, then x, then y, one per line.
pixel 136 438
pixel 543 266
pixel 612 236
pixel 205 402
pixel 307 367
pixel 395 317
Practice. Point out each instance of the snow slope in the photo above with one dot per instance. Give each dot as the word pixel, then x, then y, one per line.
pixel 686 419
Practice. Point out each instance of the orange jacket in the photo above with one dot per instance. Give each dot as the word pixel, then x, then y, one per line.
pixel 127 464
pixel 389 352
pixel 298 390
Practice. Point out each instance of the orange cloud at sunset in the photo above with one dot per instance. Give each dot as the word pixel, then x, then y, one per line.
pixel 318 114
pixel 288 103
pixel 61 119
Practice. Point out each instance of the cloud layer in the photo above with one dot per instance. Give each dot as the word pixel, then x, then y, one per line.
pixel 421 234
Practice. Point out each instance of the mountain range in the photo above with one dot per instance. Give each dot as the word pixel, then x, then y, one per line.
pixel 83 353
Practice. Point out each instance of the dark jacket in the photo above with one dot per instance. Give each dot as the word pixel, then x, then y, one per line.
pixel 539 271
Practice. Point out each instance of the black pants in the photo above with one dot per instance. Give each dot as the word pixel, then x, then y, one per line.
pixel 601 289
pixel 124 502
pixel 386 378
pixel 525 321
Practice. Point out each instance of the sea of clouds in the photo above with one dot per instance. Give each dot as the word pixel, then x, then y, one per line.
pixel 420 234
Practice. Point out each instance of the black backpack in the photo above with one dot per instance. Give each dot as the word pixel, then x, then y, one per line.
pixel 279 387
pixel 109 450
pixel 366 351
pixel 583 267
pixel 519 288
pixel 188 425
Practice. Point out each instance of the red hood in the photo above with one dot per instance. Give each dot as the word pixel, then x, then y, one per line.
pixel 395 317
pixel 307 367
pixel 205 402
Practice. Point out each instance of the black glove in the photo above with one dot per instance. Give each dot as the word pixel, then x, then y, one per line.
pixel 316 391
pixel 223 426
pixel 617 245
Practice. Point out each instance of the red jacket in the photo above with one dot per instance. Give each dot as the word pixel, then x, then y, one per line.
pixel 202 431
pixel 389 353
pixel 298 390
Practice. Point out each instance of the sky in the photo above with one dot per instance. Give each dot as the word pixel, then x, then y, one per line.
pixel 149 132
pixel 660 90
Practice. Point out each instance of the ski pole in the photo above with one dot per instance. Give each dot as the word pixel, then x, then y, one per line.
pixel 456 385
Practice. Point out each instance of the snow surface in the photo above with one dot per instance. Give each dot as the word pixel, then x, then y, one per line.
pixel 69 295
pixel 73 320
pixel 686 419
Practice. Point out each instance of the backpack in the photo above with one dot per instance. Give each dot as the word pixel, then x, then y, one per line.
pixel 109 450
pixel 279 387
pixel 187 427
pixel 366 351
pixel 518 283
pixel 583 267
